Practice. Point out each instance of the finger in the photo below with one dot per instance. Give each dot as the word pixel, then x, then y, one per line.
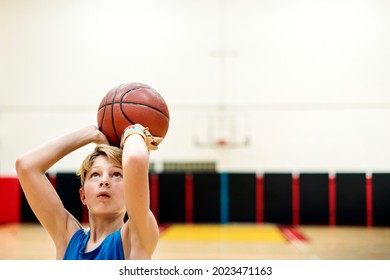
pixel 102 139
pixel 153 148
pixel 154 144
pixel 157 139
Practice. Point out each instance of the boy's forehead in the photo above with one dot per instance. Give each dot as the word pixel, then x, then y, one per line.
pixel 103 161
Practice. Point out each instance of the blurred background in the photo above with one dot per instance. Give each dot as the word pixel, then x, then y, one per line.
pixel 279 109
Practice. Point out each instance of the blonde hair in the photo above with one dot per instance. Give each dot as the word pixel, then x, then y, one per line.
pixel 113 154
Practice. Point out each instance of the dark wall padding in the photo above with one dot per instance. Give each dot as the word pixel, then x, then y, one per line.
pixel 234 197
pixel 68 186
pixel 351 199
pixel 314 198
pixel 207 198
pixel 278 198
pixel 171 193
pixel 242 197
pixel 381 199
pixel 27 215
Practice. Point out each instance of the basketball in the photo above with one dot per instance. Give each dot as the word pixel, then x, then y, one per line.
pixel 129 104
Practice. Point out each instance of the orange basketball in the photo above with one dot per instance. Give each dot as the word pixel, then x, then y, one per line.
pixel 129 104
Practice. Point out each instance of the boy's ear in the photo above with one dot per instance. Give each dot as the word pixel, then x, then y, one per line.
pixel 82 196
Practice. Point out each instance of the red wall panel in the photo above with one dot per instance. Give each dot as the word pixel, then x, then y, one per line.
pixel 10 193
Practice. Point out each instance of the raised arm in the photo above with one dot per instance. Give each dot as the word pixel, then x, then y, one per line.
pixel 135 161
pixel 41 196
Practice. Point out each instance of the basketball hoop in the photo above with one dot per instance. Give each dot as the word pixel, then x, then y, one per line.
pixel 221 130
pixel 221 142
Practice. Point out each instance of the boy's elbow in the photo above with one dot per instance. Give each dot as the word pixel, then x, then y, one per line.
pixel 20 165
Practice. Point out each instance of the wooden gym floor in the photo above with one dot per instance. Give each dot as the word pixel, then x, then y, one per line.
pixel 230 241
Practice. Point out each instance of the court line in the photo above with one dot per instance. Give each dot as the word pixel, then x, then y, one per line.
pixel 298 240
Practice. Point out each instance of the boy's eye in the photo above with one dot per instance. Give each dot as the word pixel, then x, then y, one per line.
pixel 94 174
pixel 117 174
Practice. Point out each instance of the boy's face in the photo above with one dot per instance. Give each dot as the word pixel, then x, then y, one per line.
pixel 103 191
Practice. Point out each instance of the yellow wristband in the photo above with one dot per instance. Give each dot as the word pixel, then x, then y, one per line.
pixel 133 130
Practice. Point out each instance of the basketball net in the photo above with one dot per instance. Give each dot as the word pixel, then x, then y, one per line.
pixel 216 130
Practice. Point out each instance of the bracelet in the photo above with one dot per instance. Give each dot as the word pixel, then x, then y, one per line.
pixel 133 130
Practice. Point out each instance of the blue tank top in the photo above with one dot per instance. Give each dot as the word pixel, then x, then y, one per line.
pixel 110 249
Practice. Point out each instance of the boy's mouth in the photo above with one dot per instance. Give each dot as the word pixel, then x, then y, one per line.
pixel 103 195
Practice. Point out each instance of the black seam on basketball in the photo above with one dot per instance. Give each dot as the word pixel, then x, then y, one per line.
pixel 123 113
pixel 121 102
pixel 134 103
pixel 123 94
pixel 148 106
pixel 116 90
pixel 112 113
pixel 104 113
